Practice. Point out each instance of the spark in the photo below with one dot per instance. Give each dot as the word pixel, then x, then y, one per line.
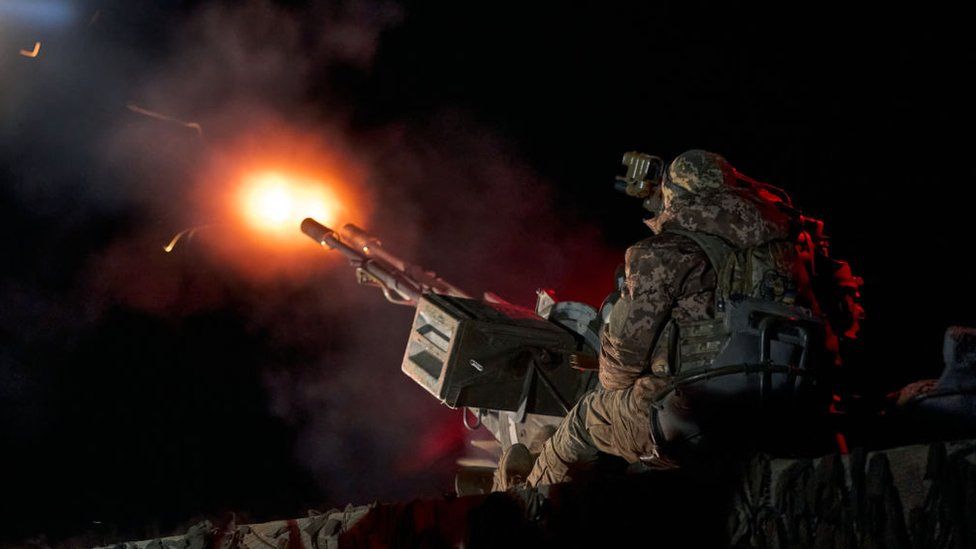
pixel 159 116
pixel 32 53
pixel 188 233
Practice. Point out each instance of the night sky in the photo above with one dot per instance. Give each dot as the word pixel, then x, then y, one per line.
pixel 142 391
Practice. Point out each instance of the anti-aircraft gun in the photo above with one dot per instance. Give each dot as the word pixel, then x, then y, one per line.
pixel 518 371
pixel 513 370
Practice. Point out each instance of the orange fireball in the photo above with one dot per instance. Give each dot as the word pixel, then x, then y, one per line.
pixel 277 203
pixel 255 191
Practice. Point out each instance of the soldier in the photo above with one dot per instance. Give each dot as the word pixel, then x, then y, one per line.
pixel 721 241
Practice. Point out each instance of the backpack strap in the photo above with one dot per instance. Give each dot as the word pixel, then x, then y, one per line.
pixel 717 250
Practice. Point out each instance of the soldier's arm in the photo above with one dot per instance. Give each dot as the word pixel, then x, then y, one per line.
pixel 654 269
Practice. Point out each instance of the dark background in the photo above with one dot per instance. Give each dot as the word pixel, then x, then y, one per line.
pixel 141 391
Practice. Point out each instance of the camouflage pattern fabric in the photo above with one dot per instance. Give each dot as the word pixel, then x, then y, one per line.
pixel 316 531
pixel 667 277
pixel 610 421
pixel 912 496
pixel 668 280
pixel 700 172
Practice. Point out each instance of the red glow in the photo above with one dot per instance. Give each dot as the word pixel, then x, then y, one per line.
pixel 440 441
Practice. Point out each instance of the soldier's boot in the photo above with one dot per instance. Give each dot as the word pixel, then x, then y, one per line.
pixel 514 467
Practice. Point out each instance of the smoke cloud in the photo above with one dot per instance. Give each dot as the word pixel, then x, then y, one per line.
pixel 236 82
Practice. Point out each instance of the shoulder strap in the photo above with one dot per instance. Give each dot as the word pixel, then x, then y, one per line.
pixel 718 251
pixel 715 247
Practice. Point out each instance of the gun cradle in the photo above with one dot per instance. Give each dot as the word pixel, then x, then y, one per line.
pixel 476 354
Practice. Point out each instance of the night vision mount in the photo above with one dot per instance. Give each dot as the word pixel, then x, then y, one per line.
pixel 643 179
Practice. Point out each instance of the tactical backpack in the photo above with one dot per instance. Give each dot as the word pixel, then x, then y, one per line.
pixel 758 356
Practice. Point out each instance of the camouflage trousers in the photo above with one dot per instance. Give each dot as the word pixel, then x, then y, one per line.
pixel 615 422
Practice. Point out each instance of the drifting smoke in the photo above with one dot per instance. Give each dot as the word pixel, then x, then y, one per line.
pixel 234 84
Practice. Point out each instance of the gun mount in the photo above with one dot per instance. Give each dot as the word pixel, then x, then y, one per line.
pixel 515 369
pixel 477 354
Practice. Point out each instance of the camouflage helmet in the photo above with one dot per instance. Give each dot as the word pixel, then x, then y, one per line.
pixel 698 172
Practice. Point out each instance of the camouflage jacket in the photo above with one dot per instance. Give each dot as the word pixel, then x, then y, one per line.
pixel 668 276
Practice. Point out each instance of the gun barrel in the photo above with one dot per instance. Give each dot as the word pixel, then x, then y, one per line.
pixel 372 247
pixel 370 270
pixel 327 237
pixel 378 267
pixel 319 232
